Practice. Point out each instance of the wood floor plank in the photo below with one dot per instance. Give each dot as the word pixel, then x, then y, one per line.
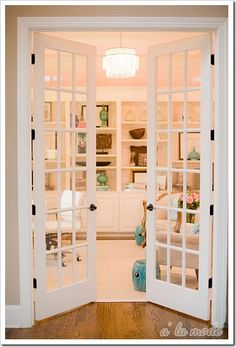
pixel 112 321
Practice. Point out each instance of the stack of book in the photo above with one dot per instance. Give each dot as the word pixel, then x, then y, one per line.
pixel 135 186
pixel 102 188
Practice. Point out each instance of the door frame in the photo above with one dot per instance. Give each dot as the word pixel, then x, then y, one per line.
pixel 220 27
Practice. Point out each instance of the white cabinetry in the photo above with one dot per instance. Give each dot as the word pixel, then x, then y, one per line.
pixel 131 211
pixel 107 214
pixel 119 212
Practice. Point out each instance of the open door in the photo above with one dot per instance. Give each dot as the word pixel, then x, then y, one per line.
pixel 64 174
pixel 178 224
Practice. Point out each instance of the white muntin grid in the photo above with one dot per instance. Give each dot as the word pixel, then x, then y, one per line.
pixel 169 169
pixel 70 132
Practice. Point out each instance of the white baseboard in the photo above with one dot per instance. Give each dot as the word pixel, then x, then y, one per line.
pixel 13 316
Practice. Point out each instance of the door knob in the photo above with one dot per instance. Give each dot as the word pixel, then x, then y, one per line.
pixel 150 207
pixel 92 207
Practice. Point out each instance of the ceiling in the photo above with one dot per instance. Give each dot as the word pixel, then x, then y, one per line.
pixel 137 40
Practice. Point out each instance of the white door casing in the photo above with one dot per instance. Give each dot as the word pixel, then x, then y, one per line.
pixel 80 289
pixel 163 291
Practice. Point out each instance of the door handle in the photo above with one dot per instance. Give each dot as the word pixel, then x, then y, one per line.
pixel 150 207
pixel 92 207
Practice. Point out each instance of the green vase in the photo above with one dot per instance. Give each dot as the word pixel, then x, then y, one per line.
pixel 102 179
pixel 103 116
pixel 194 155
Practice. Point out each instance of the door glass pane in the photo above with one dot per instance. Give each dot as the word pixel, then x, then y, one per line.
pixel 193 109
pixel 176 148
pixel 176 183
pixel 66 70
pixel 161 181
pixel 82 263
pixel 162 111
pixel 161 150
pixel 50 69
pixel 51 145
pixel 80 225
pixel 51 231
pixel 177 110
pixel 193 181
pixel 66 112
pixel 81 72
pixel 66 149
pixel 193 149
pixel 162 72
pixel 80 180
pixel 67 268
pixel 176 267
pixel 51 188
pixel 161 258
pixel 80 111
pixel 178 70
pixel 194 68
pixel 51 271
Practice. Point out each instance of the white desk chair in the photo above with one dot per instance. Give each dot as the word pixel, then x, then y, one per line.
pixel 66 219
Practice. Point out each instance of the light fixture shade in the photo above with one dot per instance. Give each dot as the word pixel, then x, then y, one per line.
pixel 120 62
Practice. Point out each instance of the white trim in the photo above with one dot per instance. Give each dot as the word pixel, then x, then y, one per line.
pixel 28 24
pixel 113 23
pixel 24 174
pixel 13 316
pixel 220 245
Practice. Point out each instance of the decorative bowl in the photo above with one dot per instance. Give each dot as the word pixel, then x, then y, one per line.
pixel 137 133
pixel 102 163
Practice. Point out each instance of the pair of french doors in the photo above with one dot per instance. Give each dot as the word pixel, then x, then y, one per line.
pixel 65 164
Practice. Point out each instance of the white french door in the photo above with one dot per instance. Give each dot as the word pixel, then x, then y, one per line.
pixel 179 117
pixel 64 174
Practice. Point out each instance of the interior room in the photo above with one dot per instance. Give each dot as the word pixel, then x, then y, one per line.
pixel 121 165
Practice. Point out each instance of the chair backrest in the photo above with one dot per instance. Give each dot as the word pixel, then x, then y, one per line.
pixel 66 202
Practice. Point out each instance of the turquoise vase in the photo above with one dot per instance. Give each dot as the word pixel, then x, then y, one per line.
pixel 194 155
pixel 139 274
pixel 138 235
pixel 102 179
pixel 103 116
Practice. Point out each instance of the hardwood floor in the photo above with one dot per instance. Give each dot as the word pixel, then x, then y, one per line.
pixel 112 321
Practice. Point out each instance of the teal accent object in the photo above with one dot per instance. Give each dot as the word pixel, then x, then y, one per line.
pixel 103 116
pixel 194 155
pixel 102 178
pixel 138 235
pixel 139 274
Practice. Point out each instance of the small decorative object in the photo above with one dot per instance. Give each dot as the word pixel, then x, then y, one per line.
pixel 142 159
pixel 193 142
pixel 129 116
pixel 139 274
pixel 103 163
pixel 194 155
pixel 132 161
pixel 81 122
pixel 139 235
pixel 102 178
pixel 137 133
pixel 192 203
pixel 137 150
pixel 103 142
pixel 81 143
pixel 103 116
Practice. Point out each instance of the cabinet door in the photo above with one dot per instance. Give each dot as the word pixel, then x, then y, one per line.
pixel 107 212
pixel 131 211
